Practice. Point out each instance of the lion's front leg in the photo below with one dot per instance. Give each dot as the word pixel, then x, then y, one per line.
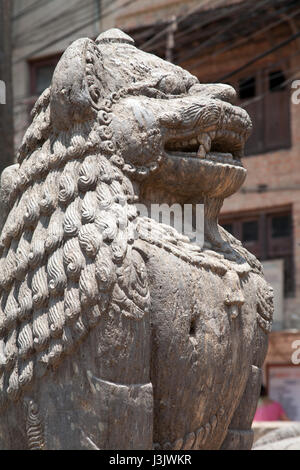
pixel 240 434
pixel 124 414
pixel 101 397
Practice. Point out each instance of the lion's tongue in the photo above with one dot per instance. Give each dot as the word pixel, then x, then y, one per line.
pixel 212 155
pixel 221 157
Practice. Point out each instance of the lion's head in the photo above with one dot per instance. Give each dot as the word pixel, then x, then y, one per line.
pixel 113 118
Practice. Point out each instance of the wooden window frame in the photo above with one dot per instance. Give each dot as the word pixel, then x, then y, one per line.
pixel 266 248
pixel 34 65
pixel 261 116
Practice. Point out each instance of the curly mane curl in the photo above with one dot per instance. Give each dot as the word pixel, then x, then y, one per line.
pixel 65 246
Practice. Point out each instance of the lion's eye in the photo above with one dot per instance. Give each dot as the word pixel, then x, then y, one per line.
pixel 171 86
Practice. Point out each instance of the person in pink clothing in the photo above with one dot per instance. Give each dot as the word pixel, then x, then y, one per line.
pixel 269 410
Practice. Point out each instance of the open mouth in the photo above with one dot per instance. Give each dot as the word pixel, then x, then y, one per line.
pixel 222 146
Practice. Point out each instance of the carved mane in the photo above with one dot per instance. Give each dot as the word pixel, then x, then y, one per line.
pixel 67 241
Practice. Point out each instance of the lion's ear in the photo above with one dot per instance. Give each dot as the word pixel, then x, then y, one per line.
pixel 114 35
pixel 76 87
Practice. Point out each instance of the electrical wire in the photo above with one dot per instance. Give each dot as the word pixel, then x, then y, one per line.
pixel 240 41
pixel 200 24
pixel 60 22
pixel 212 40
pixel 25 11
pixel 287 41
pixel 178 21
pixel 70 33
pixel 285 82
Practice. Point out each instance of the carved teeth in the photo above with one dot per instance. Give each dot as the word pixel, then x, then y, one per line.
pixel 201 152
pixel 216 139
pixel 221 157
pixel 206 141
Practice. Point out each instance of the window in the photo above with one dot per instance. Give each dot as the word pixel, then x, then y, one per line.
pixel 265 96
pixel 276 81
pixel 247 88
pixel 281 226
pixel 267 236
pixel 41 72
pixel 228 228
pixel 43 77
pixel 250 231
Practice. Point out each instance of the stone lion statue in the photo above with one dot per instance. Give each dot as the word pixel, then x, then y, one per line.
pixel 116 331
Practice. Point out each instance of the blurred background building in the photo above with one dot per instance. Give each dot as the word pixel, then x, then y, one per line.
pixel 255 47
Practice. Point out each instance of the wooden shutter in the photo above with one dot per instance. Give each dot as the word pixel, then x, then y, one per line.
pixel 277 112
pixel 255 109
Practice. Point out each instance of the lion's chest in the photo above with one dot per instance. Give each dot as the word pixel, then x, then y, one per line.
pixel 203 331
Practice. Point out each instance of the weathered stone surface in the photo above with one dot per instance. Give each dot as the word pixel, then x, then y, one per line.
pixel 116 331
pixel 285 437
pixel 262 428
